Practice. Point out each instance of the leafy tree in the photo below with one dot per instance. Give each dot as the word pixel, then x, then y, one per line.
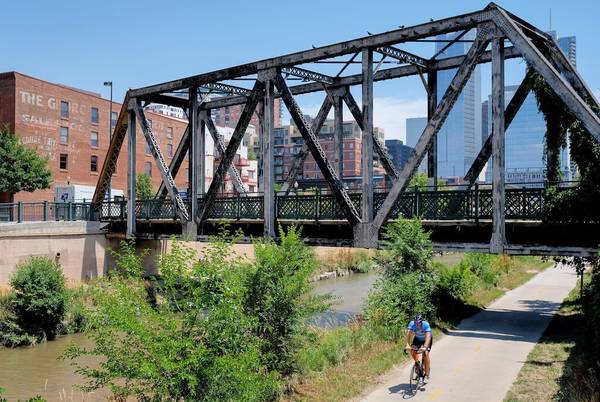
pixel 21 168
pixel 251 155
pixel 419 180
pixel 143 187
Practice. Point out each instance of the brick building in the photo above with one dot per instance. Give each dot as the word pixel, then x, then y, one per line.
pixel 70 127
pixel 288 141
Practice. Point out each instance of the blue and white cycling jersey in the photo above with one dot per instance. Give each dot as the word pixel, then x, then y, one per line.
pixel 419 334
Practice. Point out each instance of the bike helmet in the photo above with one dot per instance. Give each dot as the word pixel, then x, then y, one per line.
pixel 418 318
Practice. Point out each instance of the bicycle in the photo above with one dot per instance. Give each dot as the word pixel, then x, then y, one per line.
pixel 417 373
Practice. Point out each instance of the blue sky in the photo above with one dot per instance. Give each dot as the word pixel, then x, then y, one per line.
pixel 138 43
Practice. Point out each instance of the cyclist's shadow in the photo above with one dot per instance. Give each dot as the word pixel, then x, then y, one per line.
pixel 402 389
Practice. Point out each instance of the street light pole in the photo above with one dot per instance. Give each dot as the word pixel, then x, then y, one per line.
pixel 110 128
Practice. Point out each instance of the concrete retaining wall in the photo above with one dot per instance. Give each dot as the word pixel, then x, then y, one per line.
pixel 83 249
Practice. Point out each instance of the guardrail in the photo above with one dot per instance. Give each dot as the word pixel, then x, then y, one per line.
pixel 458 203
pixel 44 211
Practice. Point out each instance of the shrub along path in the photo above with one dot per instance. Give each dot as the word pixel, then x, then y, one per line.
pixel 480 359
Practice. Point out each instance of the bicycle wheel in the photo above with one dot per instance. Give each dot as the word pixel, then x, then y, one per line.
pixel 414 379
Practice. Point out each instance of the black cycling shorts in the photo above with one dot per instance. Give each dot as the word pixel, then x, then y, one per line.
pixel 417 343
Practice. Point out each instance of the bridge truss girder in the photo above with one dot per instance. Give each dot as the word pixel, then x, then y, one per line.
pixel 493 24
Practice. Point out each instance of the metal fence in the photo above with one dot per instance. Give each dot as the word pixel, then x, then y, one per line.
pixel 441 203
pixel 44 211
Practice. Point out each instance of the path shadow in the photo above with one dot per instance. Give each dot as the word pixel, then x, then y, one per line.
pixel 402 389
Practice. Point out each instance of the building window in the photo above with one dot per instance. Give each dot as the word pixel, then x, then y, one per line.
pixel 95 115
pixel 64 109
pixel 113 119
pixel 64 162
pixel 148 168
pixel 148 150
pixel 94 163
pixel 94 139
pixel 170 133
pixel 64 135
pixel 170 150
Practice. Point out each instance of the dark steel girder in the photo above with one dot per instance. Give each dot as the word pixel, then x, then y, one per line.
pixel 428 29
pixel 509 114
pixel 317 152
pixel 403 56
pixel 435 123
pixel 160 162
pixel 356 79
pixel 232 147
pixel 384 156
pixel 112 155
pixel 303 154
pixel 307 75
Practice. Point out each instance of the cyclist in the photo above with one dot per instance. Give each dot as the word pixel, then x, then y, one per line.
pixel 420 331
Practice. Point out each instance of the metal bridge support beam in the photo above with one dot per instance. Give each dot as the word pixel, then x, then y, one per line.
pixel 384 156
pixel 203 116
pixel 232 147
pixel 268 125
pixel 131 173
pixel 578 107
pixel 338 130
pixel 259 154
pixel 304 151
pixel 433 126
pixel 364 235
pixel 498 240
pixel 190 228
pixel 431 105
pixel 312 141
pixel 509 114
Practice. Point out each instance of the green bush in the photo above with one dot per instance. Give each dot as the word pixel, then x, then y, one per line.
pixel 406 248
pixel 40 297
pixel 457 282
pixel 277 299
pixel 393 303
pixel 11 334
pixel 481 266
pixel 408 281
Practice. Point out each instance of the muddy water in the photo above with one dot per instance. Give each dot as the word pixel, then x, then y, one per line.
pixel 29 371
pixel 350 293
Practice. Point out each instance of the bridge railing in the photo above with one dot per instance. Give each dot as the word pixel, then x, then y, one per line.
pixel 44 211
pixel 526 202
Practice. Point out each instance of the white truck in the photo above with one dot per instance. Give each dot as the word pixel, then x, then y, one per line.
pixel 80 193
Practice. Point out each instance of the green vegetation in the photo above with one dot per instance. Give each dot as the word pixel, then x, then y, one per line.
pixel 343 361
pixel 36 398
pixel 556 369
pixel 143 187
pixel 419 180
pixel 576 203
pixel 35 310
pixel 21 169
pixel 214 328
pixel 348 259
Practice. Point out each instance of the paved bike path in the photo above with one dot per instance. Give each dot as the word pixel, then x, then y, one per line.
pixel 480 360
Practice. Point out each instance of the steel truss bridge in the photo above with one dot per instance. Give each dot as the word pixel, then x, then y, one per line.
pixel 362 215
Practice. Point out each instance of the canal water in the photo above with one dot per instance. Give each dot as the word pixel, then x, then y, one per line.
pixel 29 371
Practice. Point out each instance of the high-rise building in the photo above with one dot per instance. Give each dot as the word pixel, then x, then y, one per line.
pixel 524 143
pixel 459 139
pixel 414 129
pixel 399 152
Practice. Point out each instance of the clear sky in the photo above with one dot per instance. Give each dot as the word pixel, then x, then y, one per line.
pixel 138 43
